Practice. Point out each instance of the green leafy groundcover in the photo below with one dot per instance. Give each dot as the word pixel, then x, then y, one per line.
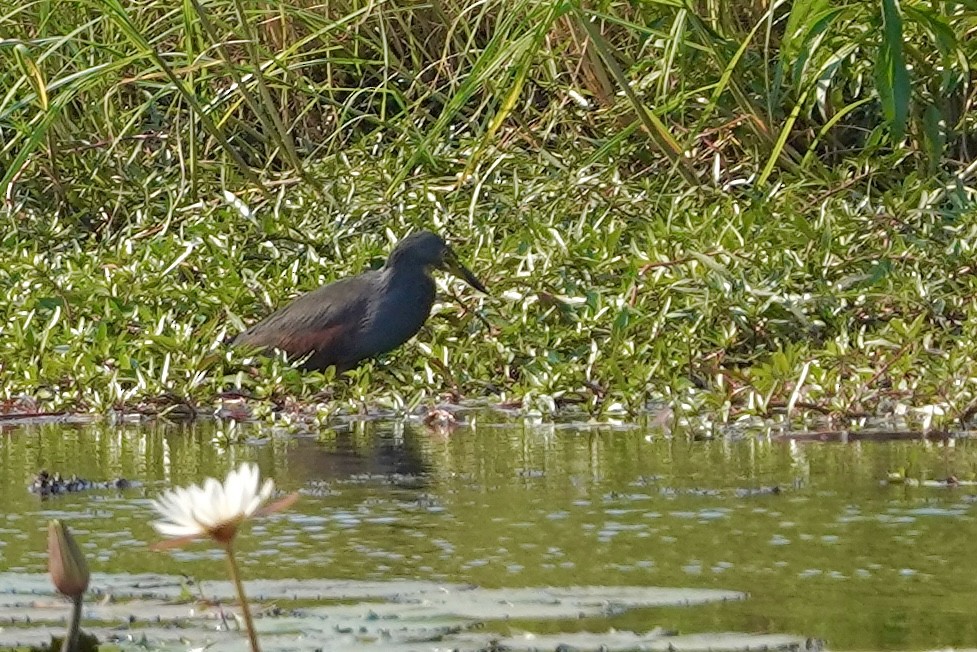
pixel 611 289
pixel 728 208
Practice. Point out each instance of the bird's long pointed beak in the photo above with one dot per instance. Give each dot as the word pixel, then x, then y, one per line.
pixel 453 265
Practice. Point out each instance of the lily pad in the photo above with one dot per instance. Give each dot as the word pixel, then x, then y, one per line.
pixel 163 612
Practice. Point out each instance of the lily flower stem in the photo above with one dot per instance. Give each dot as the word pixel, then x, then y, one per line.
pixel 70 642
pixel 242 599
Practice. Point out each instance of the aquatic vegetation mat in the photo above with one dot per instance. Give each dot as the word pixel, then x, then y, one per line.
pixel 158 612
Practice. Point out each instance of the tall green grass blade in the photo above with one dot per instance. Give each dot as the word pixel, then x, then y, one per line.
pixel 263 108
pixel 934 137
pixel 38 134
pixel 724 81
pixel 33 73
pixel 743 99
pixel 283 136
pixel 513 36
pixel 892 76
pixel 778 146
pixel 673 44
pixel 520 72
pixel 121 18
pixel 654 127
pixel 836 119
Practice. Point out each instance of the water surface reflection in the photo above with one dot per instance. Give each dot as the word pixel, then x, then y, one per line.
pixel 833 553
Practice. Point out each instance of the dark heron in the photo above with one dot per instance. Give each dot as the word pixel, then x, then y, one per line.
pixel 346 322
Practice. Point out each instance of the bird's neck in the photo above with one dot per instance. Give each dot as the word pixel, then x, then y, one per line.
pixel 402 305
pixel 409 275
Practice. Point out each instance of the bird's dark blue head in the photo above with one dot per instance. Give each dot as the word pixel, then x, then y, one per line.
pixel 426 251
pixel 421 249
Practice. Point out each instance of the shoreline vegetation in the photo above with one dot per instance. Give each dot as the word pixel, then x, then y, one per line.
pixel 729 209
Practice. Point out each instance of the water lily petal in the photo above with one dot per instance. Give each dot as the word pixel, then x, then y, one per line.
pixel 215 508
pixel 173 530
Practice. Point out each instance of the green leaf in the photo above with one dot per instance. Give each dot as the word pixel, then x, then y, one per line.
pixel 892 76
pixel 934 136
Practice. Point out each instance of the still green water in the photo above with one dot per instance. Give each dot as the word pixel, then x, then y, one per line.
pixel 837 554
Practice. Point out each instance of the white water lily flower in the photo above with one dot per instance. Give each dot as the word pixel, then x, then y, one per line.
pixel 215 510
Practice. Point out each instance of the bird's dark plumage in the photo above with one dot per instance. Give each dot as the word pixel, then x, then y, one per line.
pixel 346 322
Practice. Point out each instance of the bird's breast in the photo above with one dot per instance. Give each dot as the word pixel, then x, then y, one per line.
pixel 399 310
